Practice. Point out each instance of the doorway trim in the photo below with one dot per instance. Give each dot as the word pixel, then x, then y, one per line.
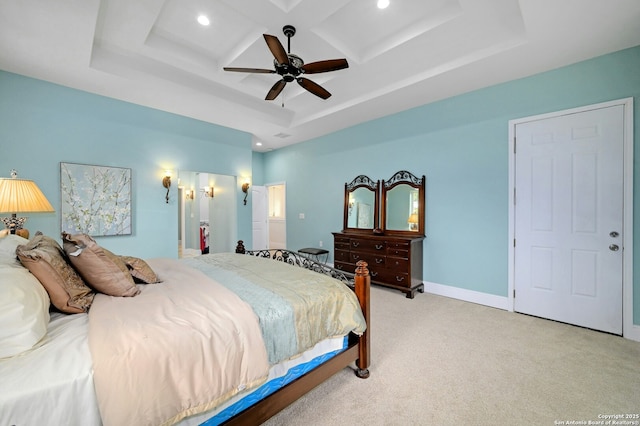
pixel 629 330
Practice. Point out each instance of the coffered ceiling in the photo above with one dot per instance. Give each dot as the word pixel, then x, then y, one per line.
pixel 155 53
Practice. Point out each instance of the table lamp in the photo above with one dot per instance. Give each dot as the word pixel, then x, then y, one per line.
pixel 20 196
pixel 413 221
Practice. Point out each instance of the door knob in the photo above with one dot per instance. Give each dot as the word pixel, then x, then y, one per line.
pixel 614 247
pixel 613 234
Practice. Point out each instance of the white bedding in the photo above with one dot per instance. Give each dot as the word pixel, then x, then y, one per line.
pixel 51 384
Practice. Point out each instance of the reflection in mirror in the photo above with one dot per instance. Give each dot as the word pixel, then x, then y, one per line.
pixel 207 213
pixel 402 209
pixel 403 204
pixel 361 204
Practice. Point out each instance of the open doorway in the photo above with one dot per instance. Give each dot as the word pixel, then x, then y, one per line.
pixel 276 215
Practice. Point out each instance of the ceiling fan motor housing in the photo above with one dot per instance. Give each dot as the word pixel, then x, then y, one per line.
pixel 292 69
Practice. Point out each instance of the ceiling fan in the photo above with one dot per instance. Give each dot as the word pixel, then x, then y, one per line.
pixel 291 67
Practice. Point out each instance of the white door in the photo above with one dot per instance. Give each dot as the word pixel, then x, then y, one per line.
pixel 260 204
pixel 569 218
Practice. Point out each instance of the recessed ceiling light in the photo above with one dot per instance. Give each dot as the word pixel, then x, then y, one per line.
pixel 382 4
pixel 203 20
pixel 258 143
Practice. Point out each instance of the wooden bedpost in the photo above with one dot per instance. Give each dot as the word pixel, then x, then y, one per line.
pixel 363 286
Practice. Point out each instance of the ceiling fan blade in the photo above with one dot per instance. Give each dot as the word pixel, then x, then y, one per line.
pixel 251 70
pixel 277 49
pixel 314 88
pixel 325 66
pixel 275 90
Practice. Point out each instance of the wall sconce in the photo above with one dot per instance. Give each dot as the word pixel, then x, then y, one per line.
pixel 189 194
pixel 245 189
pixel 208 191
pixel 166 182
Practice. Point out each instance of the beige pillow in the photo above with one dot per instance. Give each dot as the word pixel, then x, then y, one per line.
pixel 101 270
pixel 140 270
pixel 45 259
pixel 24 310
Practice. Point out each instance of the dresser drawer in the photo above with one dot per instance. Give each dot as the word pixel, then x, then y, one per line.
pixel 342 240
pixel 392 277
pixel 402 245
pixel 341 246
pixel 398 252
pixel 345 266
pixel 341 255
pixel 400 264
pixel 368 245
pixel 373 259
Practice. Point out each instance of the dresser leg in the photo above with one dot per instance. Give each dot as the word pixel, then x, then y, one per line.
pixel 412 292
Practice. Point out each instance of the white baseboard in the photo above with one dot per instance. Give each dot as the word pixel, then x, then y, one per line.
pixel 632 332
pixel 500 302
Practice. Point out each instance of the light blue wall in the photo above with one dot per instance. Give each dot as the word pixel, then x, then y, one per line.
pixel 460 144
pixel 43 124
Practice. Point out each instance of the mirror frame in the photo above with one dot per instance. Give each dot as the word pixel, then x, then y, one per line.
pixel 362 181
pixel 404 177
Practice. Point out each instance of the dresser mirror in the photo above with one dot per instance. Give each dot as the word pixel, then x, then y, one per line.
pixel 402 199
pixel 361 204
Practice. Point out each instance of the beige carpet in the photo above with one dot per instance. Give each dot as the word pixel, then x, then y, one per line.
pixel 440 361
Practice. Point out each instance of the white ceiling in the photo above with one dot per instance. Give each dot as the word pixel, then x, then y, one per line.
pixel 154 53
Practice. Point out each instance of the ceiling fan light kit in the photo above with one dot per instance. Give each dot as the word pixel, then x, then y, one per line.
pixel 291 67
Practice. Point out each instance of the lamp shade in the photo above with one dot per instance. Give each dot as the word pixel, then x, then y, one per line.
pixel 413 218
pixel 22 196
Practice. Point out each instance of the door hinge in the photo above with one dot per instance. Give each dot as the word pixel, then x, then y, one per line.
pixel 514 144
pixel 514 293
pixel 514 196
pixel 514 242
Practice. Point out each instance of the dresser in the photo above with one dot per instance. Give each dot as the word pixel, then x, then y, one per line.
pixel 394 261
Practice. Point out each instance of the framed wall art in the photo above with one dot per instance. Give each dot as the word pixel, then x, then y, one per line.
pixel 95 200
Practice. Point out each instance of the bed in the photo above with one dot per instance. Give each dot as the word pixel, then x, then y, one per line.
pixel 276 329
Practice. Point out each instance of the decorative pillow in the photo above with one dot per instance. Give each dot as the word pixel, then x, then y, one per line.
pixel 140 270
pixel 102 270
pixel 45 259
pixel 24 310
pixel 8 244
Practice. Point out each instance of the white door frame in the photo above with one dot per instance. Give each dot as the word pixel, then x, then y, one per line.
pixel 629 330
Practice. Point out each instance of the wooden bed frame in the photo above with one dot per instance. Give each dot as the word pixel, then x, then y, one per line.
pixel 357 350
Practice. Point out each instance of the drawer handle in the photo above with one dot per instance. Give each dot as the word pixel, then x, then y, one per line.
pixel 399 279
pixel 378 260
pixel 379 246
pixel 373 273
pixel 355 243
pixel 356 257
